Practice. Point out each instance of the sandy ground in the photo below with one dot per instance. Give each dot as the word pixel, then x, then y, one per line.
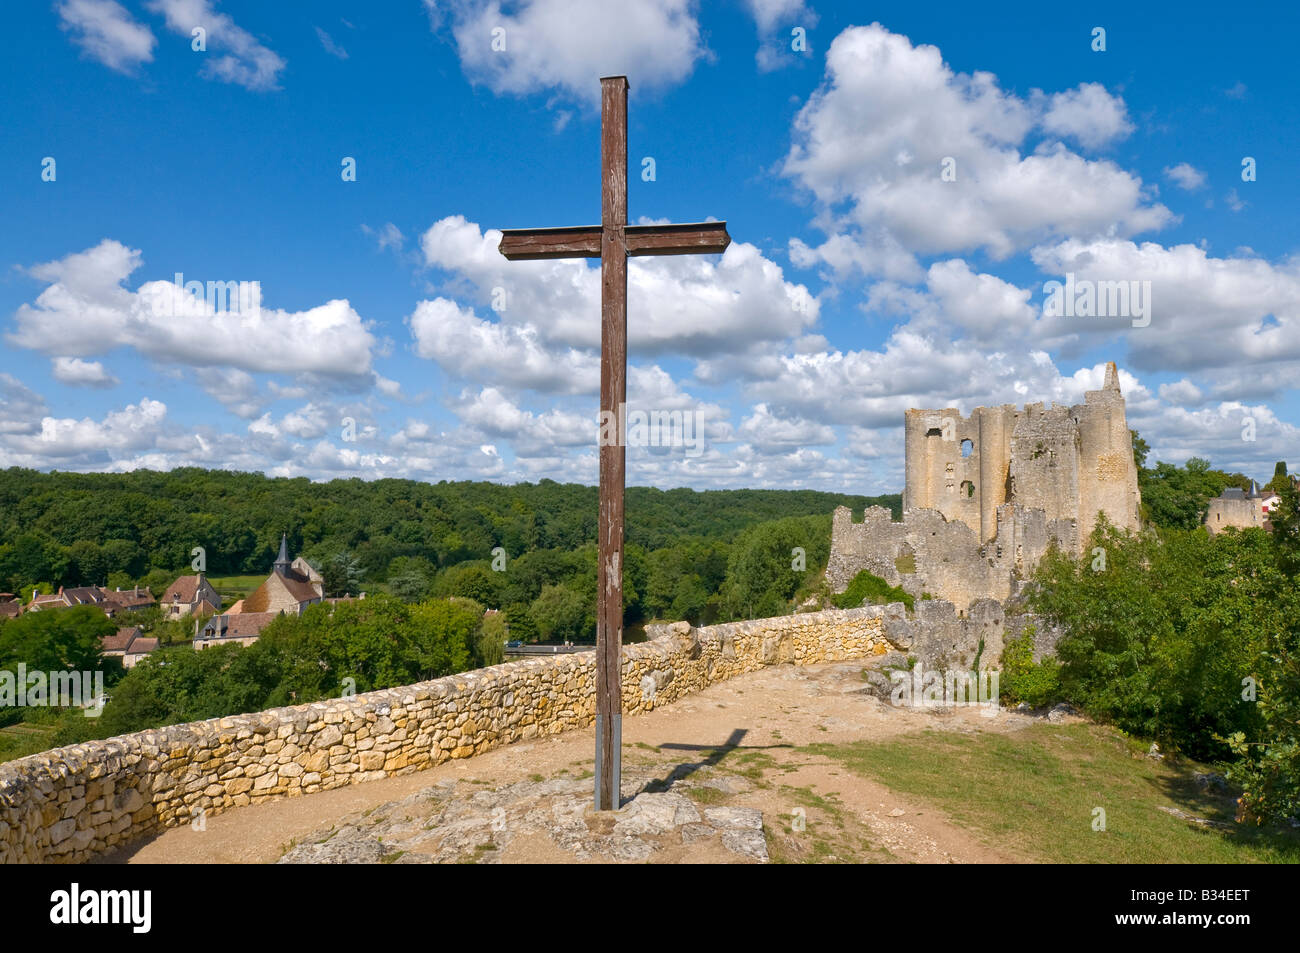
pixel 742 734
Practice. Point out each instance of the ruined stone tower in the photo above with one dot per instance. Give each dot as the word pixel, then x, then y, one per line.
pixel 1069 462
pixel 1018 480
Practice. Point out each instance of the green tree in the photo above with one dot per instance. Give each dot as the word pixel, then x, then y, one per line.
pixel 489 646
pixel 560 613
pixel 1161 629
pixel 1140 450
pixel 1280 479
pixel 471 581
pixel 57 639
pixel 762 573
pixel 1177 497
pixel 341 574
pixel 1285 520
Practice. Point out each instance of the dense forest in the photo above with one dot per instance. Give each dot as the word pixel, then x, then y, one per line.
pixel 528 549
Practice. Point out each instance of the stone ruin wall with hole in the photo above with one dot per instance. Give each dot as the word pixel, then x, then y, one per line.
pixel 986 495
pixel 81 801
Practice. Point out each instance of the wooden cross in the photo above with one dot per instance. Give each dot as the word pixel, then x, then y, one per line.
pixel 612 241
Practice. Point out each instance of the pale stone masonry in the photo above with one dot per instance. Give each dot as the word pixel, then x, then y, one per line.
pixel 986 495
pixel 74 803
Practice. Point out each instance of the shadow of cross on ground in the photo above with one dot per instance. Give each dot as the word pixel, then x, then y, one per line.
pixel 716 754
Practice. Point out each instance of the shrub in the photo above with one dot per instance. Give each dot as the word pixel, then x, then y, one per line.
pixel 868 588
pixel 1037 684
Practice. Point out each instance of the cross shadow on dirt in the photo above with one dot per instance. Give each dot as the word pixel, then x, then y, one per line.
pixel 715 755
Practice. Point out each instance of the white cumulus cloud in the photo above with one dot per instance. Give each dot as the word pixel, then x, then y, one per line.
pixel 233 54
pixel 107 32
pixel 872 143
pixel 78 373
pixel 567 45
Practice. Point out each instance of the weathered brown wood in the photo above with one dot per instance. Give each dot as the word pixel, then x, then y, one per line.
pixel 613 394
pixel 613 241
pixel 700 238
pixel 533 244
pixel 583 241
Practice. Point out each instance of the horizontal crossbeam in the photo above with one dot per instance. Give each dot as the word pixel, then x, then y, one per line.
pixel 583 241
pixel 697 238
pixel 532 244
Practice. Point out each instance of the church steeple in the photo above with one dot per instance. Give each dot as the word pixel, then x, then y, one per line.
pixel 282 563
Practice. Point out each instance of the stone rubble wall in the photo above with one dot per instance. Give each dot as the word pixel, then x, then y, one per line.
pixel 947 559
pixel 940 639
pixel 71 804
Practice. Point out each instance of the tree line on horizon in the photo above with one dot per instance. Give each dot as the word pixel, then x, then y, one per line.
pixel 525 549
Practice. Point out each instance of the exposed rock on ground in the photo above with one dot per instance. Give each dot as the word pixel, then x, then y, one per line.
pixel 456 821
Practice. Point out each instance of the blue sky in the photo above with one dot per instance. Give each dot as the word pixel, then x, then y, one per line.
pixel 860 281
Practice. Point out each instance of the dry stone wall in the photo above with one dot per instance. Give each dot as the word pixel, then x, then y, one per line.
pixel 74 803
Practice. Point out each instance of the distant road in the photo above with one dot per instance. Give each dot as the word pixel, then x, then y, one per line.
pixel 548 650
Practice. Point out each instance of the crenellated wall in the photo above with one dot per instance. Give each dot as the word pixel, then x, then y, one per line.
pixel 74 803
pixel 986 495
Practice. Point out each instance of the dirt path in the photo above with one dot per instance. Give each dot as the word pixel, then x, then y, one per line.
pixel 733 745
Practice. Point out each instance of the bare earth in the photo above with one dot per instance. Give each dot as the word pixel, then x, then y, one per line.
pixel 716 759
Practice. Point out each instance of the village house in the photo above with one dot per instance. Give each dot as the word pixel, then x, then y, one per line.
pixel 288 590
pixel 10 607
pixel 241 627
pixel 189 595
pixel 129 644
pixel 126 600
pixel 111 601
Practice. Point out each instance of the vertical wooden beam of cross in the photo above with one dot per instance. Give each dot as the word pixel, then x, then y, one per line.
pixel 612 241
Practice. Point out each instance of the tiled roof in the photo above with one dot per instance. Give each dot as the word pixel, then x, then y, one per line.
pixel 142 646
pixel 249 623
pixel 300 588
pixel 182 590
pixel 121 640
pixel 83 596
pixel 238 626
pixel 128 598
pixel 259 600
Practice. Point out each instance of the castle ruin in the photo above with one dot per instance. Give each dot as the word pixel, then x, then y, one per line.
pixel 987 495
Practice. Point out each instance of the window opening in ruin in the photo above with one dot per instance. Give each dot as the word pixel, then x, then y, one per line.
pixel 968 488
pixel 967 447
pixel 934 432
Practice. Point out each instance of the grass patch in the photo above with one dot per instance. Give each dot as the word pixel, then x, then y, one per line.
pixel 830 835
pixel 24 738
pixel 706 795
pixel 1033 793
pixel 750 764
